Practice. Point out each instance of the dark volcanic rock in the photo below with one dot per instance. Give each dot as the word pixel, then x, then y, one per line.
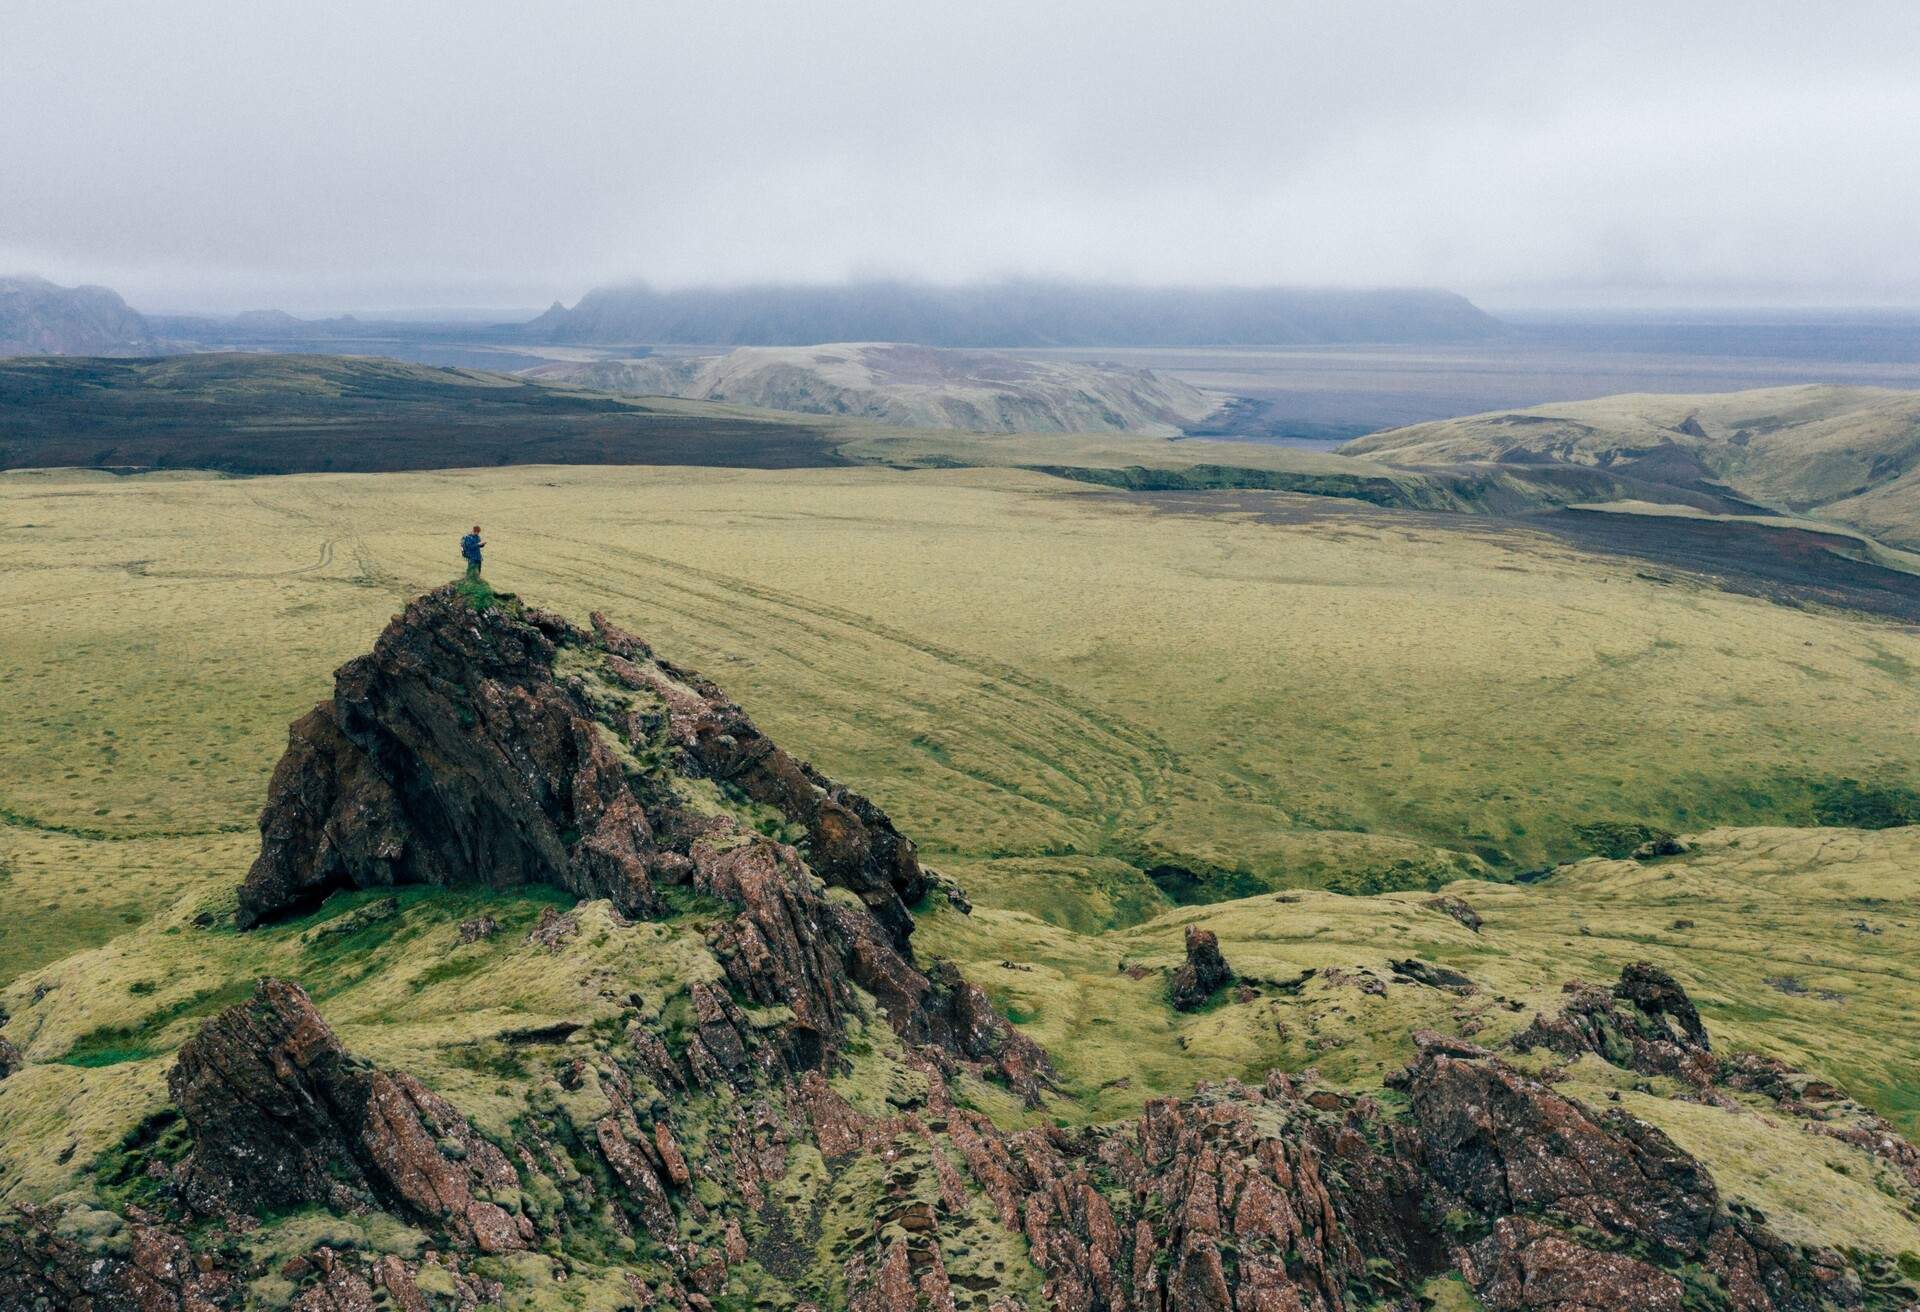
pixel 456 753
pixel 1415 971
pixel 10 1059
pixel 1505 1143
pixel 281 1115
pixel 1524 1266
pixel 1204 973
pixel 850 841
pixel 1646 1023
pixel 1458 908
pixel 505 746
pixel 40 1268
pixel 1657 996
pixel 450 755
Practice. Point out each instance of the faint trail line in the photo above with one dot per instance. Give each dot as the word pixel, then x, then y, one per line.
pixel 1120 767
pixel 15 820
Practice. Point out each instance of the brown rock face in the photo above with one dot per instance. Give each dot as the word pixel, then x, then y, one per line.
pixel 1524 1266
pixel 851 843
pixel 1457 907
pixel 505 747
pixel 43 1269
pixel 1645 1023
pixel 1504 1143
pixel 281 1115
pixel 1204 973
pixel 455 753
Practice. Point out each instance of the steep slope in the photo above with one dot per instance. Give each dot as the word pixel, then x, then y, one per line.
pixel 914 386
pixel 749 1093
pixel 1848 453
pixel 1004 314
pixel 40 318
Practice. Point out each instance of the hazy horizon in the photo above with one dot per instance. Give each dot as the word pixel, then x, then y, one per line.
pixel 364 158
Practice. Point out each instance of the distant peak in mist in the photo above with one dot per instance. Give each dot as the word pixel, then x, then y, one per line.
pixel 1013 312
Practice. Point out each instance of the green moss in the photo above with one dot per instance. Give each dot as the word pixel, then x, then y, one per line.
pixel 1850 804
pixel 477 593
pixel 1617 839
pixel 109 1045
pixel 122 1171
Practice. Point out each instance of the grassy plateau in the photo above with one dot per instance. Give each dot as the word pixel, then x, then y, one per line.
pixel 1105 716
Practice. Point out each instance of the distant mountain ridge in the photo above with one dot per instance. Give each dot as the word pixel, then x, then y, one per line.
pixel 915 386
pixel 1010 314
pixel 38 317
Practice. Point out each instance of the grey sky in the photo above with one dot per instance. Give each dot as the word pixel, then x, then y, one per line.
pixel 349 155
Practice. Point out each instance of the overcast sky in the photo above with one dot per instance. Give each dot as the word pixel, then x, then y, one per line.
pixel 380 155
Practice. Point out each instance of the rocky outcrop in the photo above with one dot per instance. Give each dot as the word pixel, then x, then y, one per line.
pixel 1458 908
pixel 1578 1188
pixel 502 746
pixel 457 753
pixel 1645 1023
pixel 1303 1198
pixel 449 755
pixel 850 842
pixel 153 1271
pixel 281 1115
pixel 1204 973
pixel 10 1059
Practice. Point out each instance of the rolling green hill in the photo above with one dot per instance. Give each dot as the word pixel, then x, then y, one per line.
pixel 1849 454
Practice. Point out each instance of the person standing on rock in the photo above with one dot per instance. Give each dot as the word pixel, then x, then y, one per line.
pixel 470 546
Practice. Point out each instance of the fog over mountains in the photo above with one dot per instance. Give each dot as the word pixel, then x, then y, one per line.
pixel 1012 313
pixel 39 318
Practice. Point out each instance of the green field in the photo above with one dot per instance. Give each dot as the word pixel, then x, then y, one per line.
pixel 1088 710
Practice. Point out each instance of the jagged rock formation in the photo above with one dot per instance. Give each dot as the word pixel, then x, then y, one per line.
pixel 1646 1023
pixel 43 1270
pixel 1204 973
pixel 457 752
pixel 1456 907
pixel 10 1060
pixel 502 746
pixel 1291 1196
pixel 281 1116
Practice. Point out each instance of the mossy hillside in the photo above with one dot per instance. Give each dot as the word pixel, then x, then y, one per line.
pixel 1016 669
pixel 475 1020
pixel 1041 784
pixel 1766 1163
pixel 1783 938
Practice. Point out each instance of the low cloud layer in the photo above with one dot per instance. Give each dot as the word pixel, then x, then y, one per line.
pixel 221 156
